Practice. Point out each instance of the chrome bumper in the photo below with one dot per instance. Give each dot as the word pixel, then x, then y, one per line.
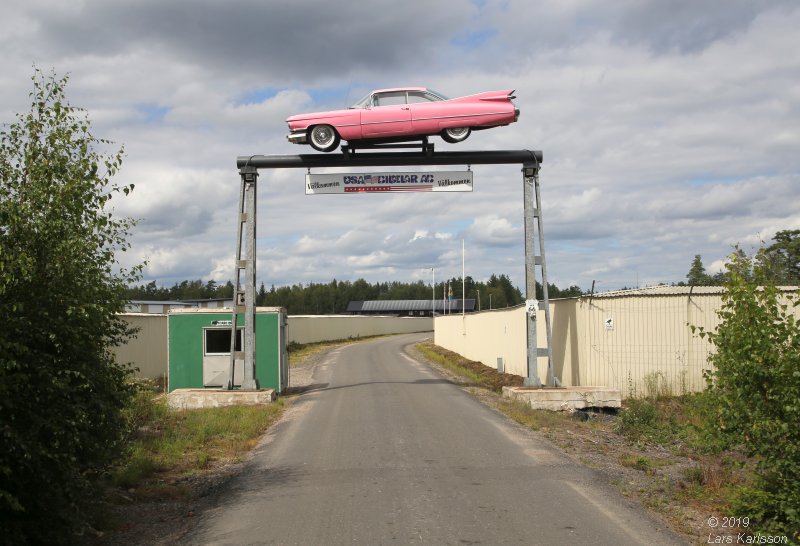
pixel 298 137
pixel 516 114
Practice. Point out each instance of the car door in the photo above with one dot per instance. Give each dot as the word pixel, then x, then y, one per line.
pixel 427 112
pixel 389 115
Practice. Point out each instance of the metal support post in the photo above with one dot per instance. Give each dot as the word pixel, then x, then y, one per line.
pixel 533 223
pixel 552 380
pixel 245 296
pixel 531 305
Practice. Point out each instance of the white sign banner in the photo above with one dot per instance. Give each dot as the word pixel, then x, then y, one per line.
pixel 388 182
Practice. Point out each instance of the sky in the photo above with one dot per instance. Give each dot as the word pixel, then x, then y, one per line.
pixel 669 128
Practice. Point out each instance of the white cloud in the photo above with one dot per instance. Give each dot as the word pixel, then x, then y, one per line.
pixel 494 230
pixel 666 132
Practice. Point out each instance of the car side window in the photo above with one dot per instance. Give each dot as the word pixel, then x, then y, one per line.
pixel 392 98
pixel 416 97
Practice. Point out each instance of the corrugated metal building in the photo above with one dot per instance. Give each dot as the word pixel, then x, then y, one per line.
pixel 159 306
pixel 155 306
pixel 635 340
pixel 409 308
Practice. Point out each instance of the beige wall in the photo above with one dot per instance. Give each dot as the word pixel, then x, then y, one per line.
pixel 148 350
pixel 485 336
pixel 313 328
pixel 648 339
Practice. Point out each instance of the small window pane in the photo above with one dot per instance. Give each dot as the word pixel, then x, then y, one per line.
pixel 218 341
pixel 390 99
pixel 415 97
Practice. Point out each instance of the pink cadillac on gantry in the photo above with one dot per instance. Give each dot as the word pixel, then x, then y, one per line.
pixel 403 114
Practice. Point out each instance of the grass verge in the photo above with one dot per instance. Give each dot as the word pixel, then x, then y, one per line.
pixel 475 372
pixel 168 446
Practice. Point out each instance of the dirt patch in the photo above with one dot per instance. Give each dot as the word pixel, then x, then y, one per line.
pixel 158 514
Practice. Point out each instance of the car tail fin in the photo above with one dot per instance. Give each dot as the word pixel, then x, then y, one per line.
pixel 498 95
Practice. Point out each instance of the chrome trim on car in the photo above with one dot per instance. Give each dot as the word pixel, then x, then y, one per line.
pixel 386 121
pixel 461 116
pixel 435 117
pixel 298 137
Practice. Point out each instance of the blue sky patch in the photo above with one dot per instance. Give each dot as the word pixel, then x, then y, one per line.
pixel 152 112
pixel 472 40
pixel 257 96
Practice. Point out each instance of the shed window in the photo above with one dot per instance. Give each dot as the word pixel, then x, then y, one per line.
pixel 218 341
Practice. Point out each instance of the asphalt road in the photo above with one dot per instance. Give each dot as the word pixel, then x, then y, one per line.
pixel 385 451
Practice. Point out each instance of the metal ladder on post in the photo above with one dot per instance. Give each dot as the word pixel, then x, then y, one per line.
pixel 533 223
pixel 245 293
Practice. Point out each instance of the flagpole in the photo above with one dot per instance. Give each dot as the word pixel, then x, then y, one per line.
pixel 463 293
pixel 463 284
pixel 433 292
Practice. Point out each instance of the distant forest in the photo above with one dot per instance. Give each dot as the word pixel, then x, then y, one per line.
pixel 781 258
pixel 333 297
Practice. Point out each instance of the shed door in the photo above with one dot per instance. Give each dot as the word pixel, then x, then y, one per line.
pixel 217 357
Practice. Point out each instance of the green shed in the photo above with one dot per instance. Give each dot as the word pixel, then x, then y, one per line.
pixel 199 349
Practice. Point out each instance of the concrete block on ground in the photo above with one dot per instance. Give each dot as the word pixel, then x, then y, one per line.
pixel 217 398
pixel 565 398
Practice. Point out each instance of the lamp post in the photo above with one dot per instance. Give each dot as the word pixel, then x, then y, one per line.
pixel 433 292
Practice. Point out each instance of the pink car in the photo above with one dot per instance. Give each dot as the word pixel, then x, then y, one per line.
pixel 409 113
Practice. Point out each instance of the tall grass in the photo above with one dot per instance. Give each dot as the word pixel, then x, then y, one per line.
pixel 448 362
pixel 180 443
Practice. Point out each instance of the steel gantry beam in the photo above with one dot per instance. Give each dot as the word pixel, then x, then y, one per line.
pixel 388 159
pixel 530 160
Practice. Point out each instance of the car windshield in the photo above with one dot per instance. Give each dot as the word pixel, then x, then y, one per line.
pixel 363 102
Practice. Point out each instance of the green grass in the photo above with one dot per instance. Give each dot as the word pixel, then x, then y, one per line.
pixel 642 463
pixel 449 363
pixel 490 379
pixel 181 443
pixel 535 419
pixel 475 373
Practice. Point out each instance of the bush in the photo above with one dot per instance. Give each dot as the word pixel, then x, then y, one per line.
pixel 62 394
pixel 754 391
pixel 638 418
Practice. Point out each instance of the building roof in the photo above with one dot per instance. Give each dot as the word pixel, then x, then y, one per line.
pixel 159 302
pixel 398 306
pixel 670 290
pixel 212 310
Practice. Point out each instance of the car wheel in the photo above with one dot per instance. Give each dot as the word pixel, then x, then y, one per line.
pixel 323 138
pixel 455 134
